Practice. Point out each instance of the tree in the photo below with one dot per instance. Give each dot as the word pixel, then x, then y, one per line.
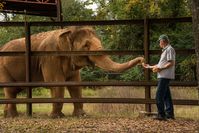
pixel 195 17
pixel 75 10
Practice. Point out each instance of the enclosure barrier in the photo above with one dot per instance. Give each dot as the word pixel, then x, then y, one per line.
pixel 146 52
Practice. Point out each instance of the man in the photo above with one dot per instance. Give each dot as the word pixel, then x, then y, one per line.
pixel 165 70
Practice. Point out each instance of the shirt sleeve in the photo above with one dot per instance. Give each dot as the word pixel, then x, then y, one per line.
pixel 170 54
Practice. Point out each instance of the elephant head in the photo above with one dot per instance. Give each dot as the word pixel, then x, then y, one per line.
pixel 85 39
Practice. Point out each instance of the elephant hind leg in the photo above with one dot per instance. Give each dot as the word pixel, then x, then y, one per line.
pixel 10 110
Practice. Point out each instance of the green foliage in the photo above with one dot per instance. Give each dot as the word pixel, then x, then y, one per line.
pixel 91 74
pixel 188 68
pixel 136 74
pixel 129 39
pixel 9 33
pixel 41 91
pixel 171 8
pixel 74 10
pixel 108 35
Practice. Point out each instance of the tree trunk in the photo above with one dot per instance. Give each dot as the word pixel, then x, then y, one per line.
pixel 195 18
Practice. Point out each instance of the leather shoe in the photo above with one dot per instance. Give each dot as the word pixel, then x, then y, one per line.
pixel 160 118
pixel 170 117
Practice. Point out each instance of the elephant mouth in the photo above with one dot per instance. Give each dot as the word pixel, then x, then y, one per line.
pixel 90 63
pixel 87 62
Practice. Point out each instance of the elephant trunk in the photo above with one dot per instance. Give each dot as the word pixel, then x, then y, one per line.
pixel 107 64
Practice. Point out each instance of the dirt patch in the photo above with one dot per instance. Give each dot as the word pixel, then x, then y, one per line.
pixel 97 125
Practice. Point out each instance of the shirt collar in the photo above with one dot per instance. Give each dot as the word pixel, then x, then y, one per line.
pixel 165 47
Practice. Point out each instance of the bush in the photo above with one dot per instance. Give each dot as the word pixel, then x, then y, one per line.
pixel 188 68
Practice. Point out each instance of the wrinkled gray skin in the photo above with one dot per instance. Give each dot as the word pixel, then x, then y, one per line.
pixel 56 68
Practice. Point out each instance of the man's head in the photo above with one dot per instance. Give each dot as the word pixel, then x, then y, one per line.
pixel 163 40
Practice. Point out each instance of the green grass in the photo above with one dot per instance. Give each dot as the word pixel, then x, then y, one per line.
pixel 124 110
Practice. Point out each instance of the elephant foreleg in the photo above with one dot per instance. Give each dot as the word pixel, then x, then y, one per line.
pixel 76 92
pixel 52 72
pixel 10 110
pixel 57 92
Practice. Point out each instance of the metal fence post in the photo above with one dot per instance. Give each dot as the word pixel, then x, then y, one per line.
pixel 146 55
pixel 59 11
pixel 28 66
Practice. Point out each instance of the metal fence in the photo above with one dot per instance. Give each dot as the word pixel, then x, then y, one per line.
pixel 147 83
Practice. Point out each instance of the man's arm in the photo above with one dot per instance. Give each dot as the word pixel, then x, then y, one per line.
pixel 167 65
pixel 148 66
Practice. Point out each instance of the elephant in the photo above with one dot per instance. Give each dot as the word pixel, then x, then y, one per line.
pixel 56 68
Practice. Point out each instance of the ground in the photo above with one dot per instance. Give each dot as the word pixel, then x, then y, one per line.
pixel 105 118
pixel 91 124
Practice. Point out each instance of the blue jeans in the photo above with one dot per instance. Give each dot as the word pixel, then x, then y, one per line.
pixel 163 98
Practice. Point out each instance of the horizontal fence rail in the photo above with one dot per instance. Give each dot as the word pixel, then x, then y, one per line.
pixel 102 52
pixel 94 100
pixel 104 22
pixel 102 83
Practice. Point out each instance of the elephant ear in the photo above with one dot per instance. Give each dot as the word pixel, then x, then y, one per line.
pixel 65 40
